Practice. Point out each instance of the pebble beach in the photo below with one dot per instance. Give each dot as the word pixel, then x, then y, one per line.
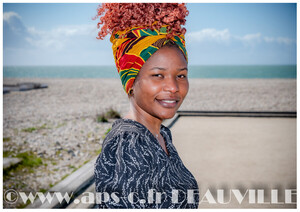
pixel 58 124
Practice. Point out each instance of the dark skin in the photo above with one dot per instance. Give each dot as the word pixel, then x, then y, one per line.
pixel 159 90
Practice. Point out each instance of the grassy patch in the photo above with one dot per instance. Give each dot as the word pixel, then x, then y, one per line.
pixel 110 114
pixel 89 135
pixel 74 170
pixel 61 125
pixel 8 153
pixel 64 177
pixel 107 131
pixel 31 129
pixel 98 151
pixel 24 205
pixel 43 190
pixel 58 152
pixel 44 126
pixel 101 118
pixel 72 167
pixel 105 134
pixel 113 114
pixel 29 161
pixel 6 139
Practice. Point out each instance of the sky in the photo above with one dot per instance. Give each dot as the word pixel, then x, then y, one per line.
pixel 217 34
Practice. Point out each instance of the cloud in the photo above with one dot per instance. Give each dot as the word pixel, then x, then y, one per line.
pixel 210 34
pixel 13 22
pixel 8 16
pixel 224 36
pixel 46 43
pixel 250 37
pixel 280 40
pixel 57 38
pixel 65 31
pixel 64 44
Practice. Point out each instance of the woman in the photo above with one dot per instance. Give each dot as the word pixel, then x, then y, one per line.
pixel 139 166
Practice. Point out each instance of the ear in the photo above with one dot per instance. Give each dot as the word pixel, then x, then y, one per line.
pixel 130 93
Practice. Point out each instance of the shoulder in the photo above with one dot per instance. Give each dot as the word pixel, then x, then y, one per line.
pixel 126 136
pixel 124 130
pixel 124 147
pixel 127 125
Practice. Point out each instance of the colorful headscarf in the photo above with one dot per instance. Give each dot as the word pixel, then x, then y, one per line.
pixel 131 49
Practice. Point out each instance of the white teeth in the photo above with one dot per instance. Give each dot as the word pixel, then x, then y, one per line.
pixel 169 101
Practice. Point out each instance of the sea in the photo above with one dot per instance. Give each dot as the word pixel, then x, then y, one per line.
pixel 200 71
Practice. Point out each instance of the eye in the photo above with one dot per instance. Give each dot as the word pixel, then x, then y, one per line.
pixel 181 76
pixel 157 75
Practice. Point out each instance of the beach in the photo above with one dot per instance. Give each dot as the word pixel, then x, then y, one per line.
pixel 59 125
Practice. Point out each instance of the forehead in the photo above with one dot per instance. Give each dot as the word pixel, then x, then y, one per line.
pixel 166 57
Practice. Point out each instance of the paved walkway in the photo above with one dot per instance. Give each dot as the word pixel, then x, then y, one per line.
pixel 239 153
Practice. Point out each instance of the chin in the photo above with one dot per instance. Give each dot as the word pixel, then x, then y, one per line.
pixel 167 115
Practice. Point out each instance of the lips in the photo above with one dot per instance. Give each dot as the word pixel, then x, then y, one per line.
pixel 168 103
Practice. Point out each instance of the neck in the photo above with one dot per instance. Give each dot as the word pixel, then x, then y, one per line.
pixel 152 123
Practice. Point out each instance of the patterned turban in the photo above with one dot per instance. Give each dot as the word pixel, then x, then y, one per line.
pixel 131 49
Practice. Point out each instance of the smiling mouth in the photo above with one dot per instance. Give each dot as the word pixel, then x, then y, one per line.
pixel 167 103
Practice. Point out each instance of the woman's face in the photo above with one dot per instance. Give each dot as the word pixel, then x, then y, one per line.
pixel 161 84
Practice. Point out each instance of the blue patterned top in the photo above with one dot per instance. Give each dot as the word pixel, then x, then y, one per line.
pixel 133 170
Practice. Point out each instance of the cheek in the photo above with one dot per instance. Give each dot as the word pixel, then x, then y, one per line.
pixel 184 88
pixel 148 88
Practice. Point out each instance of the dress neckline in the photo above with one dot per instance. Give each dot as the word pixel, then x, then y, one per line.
pixel 162 132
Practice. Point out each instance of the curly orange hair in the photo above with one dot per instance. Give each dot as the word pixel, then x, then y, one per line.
pixel 121 16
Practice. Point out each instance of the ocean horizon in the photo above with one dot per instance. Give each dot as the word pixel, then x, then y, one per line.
pixel 194 71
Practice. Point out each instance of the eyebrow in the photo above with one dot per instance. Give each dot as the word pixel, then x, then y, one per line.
pixel 163 69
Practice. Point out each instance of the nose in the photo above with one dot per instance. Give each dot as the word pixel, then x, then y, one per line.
pixel 171 85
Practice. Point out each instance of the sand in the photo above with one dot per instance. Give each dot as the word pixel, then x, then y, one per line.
pixel 226 153
pixel 67 135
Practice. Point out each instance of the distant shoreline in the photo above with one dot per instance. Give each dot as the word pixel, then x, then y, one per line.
pixel 201 71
